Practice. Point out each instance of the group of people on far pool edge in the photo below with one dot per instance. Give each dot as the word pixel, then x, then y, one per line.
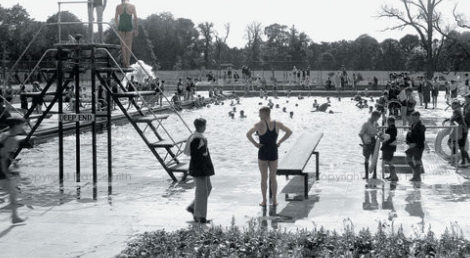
pixel 201 167
pixel 415 140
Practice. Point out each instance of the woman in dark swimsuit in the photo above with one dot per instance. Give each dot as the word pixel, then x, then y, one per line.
pixel 268 145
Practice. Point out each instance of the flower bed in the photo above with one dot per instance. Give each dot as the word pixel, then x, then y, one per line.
pixel 257 241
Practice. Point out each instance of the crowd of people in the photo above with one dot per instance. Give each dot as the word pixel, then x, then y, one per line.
pixel 398 101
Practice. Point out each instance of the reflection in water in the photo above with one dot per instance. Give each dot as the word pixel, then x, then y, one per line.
pixel 273 217
pixel 296 210
pixel 413 203
pixel 78 192
pixel 414 206
pixel 179 187
pixel 95 191
pixel 110 191
pixel 453 192
pixel 370 200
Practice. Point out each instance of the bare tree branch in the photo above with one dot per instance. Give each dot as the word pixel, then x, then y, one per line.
pixel 227 31
pixel 459 19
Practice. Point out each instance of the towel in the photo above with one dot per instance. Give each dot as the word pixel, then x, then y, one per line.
pixel 187 148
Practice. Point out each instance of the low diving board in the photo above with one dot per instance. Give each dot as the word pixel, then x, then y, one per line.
pixel 297 158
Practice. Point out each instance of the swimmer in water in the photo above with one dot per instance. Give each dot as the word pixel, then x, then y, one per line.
pixel 260 103
pixel 242 114
pixel 234 109
pixel 277 105
pixel 371 99
pixel 284 109
pixel 358 97
pixel 328 99
pixel 291 114
pixel 296 104
pixel 323 107
pixel 360 104
pixel 371 108
pixel 315 103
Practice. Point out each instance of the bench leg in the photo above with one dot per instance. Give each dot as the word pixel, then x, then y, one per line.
pixel 306 186
pixel 317 163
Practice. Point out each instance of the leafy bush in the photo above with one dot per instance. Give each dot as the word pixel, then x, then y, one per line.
pixel 257 241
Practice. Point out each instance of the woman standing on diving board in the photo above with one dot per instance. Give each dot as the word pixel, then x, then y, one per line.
pixel 125 13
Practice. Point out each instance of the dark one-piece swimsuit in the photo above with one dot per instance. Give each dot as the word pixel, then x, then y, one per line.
pixel 268 141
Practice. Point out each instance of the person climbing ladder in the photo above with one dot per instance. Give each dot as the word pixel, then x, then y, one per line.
pixel 126 28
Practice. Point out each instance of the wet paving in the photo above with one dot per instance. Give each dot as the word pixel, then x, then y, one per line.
pixel 86 220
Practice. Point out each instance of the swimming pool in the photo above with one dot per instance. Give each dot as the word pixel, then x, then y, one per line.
pixel 339 194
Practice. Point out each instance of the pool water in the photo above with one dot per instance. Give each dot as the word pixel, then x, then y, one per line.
pixel 340 194
pixel 233 155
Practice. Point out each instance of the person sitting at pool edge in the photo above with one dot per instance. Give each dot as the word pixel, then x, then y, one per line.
pixel 268 131
pixel 415 140
pixel 201 169
pixel 367 134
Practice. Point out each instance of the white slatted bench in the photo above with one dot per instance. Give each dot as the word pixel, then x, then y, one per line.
pixel 297 158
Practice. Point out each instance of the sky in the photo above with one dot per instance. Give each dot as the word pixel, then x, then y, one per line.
pixel 322 20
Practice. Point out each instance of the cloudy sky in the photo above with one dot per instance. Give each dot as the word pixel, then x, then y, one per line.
pixel 322 20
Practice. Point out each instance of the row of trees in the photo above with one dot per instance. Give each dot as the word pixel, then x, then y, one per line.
pixel 179 43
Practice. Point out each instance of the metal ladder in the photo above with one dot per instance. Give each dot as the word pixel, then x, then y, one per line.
pixel 166 148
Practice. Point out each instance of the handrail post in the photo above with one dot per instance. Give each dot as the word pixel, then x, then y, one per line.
pixel 59 20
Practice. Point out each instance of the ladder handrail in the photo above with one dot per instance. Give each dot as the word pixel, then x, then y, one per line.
pixel 23 83
pixel 143 99
pixel 143 69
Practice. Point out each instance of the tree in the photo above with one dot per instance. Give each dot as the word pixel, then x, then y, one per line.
pixel 390 57
pixel 207 32
pixel 220 43
pixel 52 31
pixel 276 45
pixel 254 44
pixel 409 42
pixel 424 17
pixel 366 49
pixel 298 47
pixel 327 61
pixel 416 60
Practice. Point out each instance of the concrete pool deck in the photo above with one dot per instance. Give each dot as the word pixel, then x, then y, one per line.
pixel 72 223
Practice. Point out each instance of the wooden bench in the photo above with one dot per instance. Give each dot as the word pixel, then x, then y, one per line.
pixel 297 158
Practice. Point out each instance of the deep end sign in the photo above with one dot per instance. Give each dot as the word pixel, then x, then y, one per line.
pixel 85 117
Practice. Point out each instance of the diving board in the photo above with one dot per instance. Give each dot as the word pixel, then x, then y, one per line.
pixel 296 160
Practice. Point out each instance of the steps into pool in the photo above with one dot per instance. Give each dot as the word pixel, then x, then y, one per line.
pixel 168 143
